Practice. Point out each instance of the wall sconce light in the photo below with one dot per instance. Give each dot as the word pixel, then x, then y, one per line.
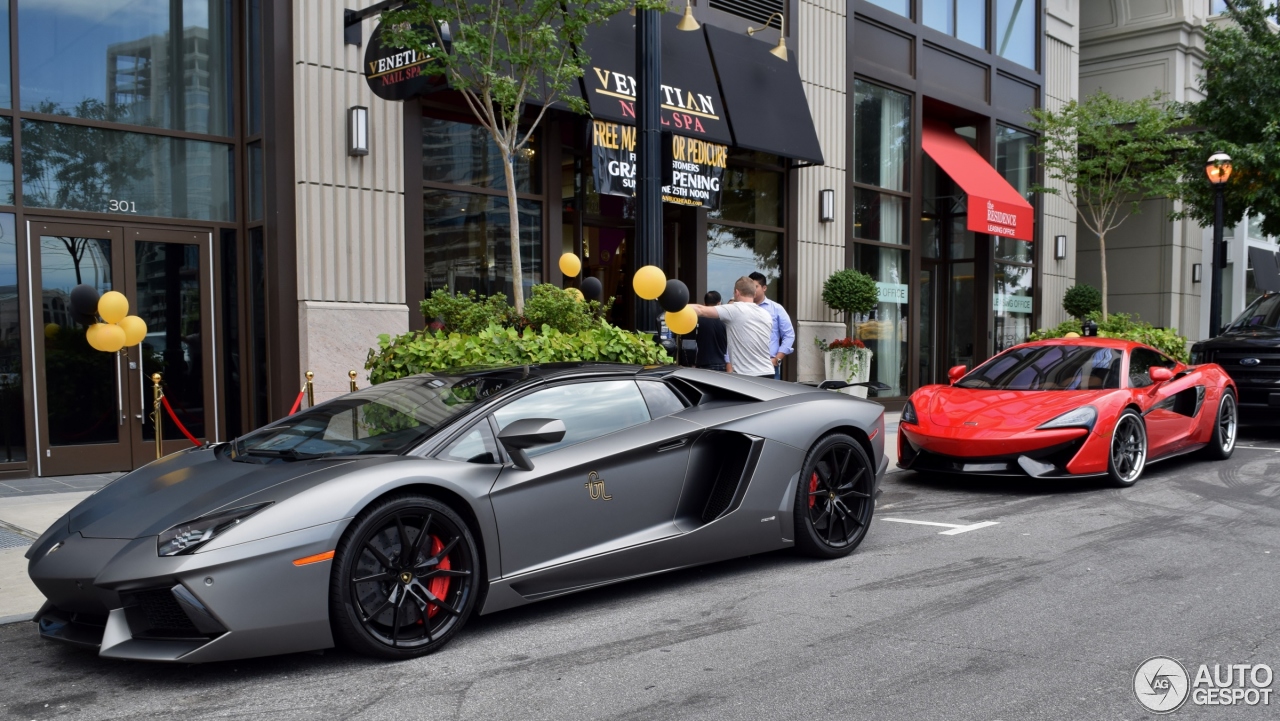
pixel 1059 247
pixel 1196 271
pixel 357 131
pixel 1227 254
pixel 826 206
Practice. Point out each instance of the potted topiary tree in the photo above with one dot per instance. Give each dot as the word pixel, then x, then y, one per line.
pixel 850 293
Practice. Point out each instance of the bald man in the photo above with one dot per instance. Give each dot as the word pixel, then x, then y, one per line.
pixel 748 328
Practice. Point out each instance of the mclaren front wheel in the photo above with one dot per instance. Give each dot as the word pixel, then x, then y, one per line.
pixel 404 578
pixel 834 501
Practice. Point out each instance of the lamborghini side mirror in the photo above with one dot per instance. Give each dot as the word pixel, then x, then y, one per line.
pixel 529 433
pixel 956 373
pixel 1159 374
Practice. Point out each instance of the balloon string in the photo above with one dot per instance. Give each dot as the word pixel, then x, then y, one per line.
pixel 298 402
pixel 174 416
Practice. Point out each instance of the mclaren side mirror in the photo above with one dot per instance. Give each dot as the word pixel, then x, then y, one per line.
pixel 1159 374
pixel 956 373
pixel 528 433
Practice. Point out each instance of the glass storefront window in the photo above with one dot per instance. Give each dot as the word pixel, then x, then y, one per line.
pixel 72 167
pixel 880 216
pixel 1016 31
pixel 464 154
pixel 6 161
pixel 167 286
pixel 1016 160
pixel 1018 251
pixel 159 63
pixel 884 330
pixel 750 195
pixel 1013 304
pixel 253 58
pixel 6 92
pixel 733 252
pixel 255 181
pixel 881 137
pixel 468 247
pixel 963 19
pixel 13 414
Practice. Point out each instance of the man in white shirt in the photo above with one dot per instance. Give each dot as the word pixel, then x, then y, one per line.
pixel 748 327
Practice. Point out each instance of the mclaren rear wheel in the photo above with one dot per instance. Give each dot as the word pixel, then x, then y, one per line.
pixel 404 578
pixel 1128 449
pixel 1223 442
pixel 834 500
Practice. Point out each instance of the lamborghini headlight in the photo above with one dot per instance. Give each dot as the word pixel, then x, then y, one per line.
pixel 909 414
pixel 187 537
pixel 1082 417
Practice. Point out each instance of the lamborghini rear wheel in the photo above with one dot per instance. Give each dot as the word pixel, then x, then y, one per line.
pixel 1128 449
pixel 833 499
pixel 404 578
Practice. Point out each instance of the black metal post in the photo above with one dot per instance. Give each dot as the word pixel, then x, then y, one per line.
pixel 1219 262
pixel 648 249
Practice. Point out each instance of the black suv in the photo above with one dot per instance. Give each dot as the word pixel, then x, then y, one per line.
pixel 1249 351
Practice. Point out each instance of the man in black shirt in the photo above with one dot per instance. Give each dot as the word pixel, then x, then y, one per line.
pixel 713 343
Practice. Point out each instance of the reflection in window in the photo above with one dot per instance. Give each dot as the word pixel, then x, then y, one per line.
pixel 879 216
pixel 964 19
pixel 1016 160
pixel 72 167
pixel 258 327
pixel 229 314
pixel 588 410
pixel 117 60
pixel 465 154
pixel 467 243
pixel 13 415
pixel 6 161
pixel 750 195
pixel 253 57
pixel 881 136
pixel 733 252
pixel 6 92
pixel 255 181
pixel 884 329
pixel 1012 303
pixel 167 288
pixel 1016 31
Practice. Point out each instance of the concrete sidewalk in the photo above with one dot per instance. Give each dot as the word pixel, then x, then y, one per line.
pixel 29 506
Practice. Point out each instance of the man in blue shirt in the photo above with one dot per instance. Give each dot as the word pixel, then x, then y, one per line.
pixel 782 342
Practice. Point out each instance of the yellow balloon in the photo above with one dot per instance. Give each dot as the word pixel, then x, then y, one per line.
pixel 113 306
pixel 683 321
pixel 570 265
pixel 135 329
pixel 51 329
pixel 577 294
pixel 1071 334
pixel 649 282
pixel 105 337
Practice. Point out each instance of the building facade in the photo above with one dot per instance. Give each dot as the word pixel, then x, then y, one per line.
pixel 194 155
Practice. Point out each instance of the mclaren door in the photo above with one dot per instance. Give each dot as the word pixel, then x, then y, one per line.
pixel 1169 405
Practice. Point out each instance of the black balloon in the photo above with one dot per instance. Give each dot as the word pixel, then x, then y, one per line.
pixel 84 304
pixel 592 289
pixel 675 297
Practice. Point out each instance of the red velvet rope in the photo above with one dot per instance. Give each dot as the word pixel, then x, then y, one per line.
pixel 297 402
pixel 174 416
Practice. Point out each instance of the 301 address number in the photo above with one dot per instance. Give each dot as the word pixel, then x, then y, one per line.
pixel 122 206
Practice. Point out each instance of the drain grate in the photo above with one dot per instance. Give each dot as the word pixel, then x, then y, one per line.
pixel 9 539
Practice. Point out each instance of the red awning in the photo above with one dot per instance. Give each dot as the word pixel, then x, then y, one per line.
pixel 995 207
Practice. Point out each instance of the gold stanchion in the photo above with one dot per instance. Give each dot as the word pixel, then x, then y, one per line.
pixel 311 389
pixel 352 376
pixel 156 414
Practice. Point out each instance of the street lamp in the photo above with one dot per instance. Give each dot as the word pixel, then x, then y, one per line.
pixel 1218 169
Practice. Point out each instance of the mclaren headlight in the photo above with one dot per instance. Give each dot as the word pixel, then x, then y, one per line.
pixel 909 414
pixel 187 537
pixel 1082 417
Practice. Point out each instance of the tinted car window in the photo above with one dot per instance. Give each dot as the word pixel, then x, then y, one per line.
pixel 475 446
pixel 1048 368
pixel 1261 313
pixel 662 401
pixel 1140 362
pixel 589 410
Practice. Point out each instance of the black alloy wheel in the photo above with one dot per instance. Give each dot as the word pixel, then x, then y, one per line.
pixel 404 578
pixel 1128 454
pixel 834 501
pixel 1223 441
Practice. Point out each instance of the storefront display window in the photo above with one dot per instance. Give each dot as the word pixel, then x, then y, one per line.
pixel 6 161
pixel 1016 31
pixel 467 243
pixel 6 92
pixel 1013 304
pixel 13 429
pixel 881 137
pixel 457 153
pixel 880 216
pixel 884 330
pixel 1012 298
pixel 745 234
pixel 1016 160
pixel 117 61
pixel 964 19
pixel 735 252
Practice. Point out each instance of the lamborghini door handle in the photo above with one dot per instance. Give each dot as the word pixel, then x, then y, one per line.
pixel 674 445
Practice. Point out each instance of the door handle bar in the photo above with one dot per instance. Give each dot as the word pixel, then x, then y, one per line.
pixel 672 446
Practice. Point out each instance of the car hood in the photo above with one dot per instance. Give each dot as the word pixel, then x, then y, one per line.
pixel 1010 410
pixel 179 488
pixel 1253 338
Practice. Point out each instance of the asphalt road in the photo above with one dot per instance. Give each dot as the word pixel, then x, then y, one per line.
pixel 1045 615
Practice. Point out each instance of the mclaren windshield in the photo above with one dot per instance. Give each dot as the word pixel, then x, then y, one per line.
pixel 1048 368
pixel 1262 314
pixel 387 419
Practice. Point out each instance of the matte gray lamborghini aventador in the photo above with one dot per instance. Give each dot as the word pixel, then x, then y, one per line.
pixel 381 520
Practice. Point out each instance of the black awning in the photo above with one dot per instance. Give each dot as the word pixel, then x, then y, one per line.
pixel 763 96
pixel 1266 271
pixel 691 102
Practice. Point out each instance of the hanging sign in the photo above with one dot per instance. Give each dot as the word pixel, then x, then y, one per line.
pixel 693 169
pixel 892 292
pixel 1007 303
pixel 397 73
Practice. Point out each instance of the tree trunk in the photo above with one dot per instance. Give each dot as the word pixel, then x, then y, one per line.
pixel 1102 253
pixel 848 325
pixel 517 271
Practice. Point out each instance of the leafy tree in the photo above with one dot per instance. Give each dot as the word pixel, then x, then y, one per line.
pixel 502 56
pixel 1080 300
pixel 1109 154
pixel 1240 116
pixel 849 292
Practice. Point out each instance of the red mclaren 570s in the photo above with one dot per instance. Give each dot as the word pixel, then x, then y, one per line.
pixel 1069 407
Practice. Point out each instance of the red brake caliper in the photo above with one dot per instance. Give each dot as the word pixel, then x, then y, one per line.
pixel 813 488
pixel 438 586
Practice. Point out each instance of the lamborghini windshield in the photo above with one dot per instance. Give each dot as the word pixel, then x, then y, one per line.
pixel 388 419
pixel 1261 313
pixel 1048 368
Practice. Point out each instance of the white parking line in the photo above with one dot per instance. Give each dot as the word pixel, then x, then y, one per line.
pixel 955 527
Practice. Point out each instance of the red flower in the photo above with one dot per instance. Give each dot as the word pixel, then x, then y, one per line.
pixel 846 343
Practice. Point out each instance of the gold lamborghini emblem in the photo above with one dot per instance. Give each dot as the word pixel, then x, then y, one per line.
pixel 595 486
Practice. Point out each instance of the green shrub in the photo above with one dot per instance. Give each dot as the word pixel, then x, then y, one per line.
pixel 1121 325
pixel 849 291
pixel 1082 299
pixel 560 309
pixel 466 312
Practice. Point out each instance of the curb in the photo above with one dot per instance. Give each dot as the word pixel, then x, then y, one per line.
pixel 6 620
